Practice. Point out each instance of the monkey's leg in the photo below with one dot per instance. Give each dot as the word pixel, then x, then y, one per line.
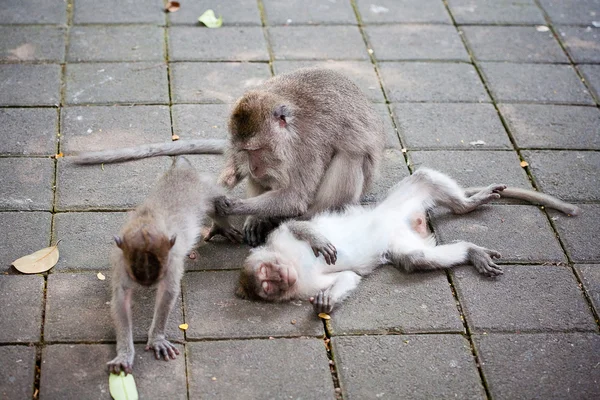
pixel 166 296
pixel 341 185
pixel 121 312
pixel 446 192
pixel 447 256
pixel 303 230
pixel 325 300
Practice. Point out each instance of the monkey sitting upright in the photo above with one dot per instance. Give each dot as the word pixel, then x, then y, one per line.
pixel 354 242
pixel 151 249
pixel 307 141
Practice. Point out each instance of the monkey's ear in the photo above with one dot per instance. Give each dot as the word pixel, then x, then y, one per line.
pixel 118 241
pixel 282 113
pixel 172 241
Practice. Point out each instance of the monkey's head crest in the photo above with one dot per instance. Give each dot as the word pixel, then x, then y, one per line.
pixel 255 113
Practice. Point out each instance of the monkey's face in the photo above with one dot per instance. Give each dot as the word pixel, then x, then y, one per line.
pixel 144 267
pixel 268 277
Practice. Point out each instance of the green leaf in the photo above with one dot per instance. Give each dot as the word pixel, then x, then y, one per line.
pixel 210 20
pixel 122 387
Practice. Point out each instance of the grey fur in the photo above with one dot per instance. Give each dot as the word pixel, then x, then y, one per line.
pixel 174 210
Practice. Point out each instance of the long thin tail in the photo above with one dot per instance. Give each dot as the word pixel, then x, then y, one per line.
pixel 197 146
pixel 533 197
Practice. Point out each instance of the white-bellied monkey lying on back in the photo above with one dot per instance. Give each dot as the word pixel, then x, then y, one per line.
pixel 354 242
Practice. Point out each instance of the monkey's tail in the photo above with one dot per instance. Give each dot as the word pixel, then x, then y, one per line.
pixel 533 197
pixel 197 146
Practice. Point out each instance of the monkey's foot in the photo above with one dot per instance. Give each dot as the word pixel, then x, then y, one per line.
pixel 481 258
pixel 122 362
pixel 228 232
pixel 488 194
pixel 256 230
pixel 162 348
pixel 328 251
pixel 322 302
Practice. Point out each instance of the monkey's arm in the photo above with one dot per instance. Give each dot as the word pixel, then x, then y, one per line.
pixel 303 230
pixel 198 146
pixel 166 296
pixel 325 300
pixel 121 312
pixel 275 203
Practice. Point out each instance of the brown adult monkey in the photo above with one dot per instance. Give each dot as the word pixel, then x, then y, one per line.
pixel 151 249
pixel 307 141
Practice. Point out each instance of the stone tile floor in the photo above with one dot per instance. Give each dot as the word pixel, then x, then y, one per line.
pixel 519 78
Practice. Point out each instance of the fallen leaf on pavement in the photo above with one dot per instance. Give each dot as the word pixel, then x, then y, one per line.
pixel 183 327
pixel 174 137
pixel 100 276
pixel 172 6
pixel 324 316
pixel 210 20
pixel 122 387
pixel 524 164
pixel 40 261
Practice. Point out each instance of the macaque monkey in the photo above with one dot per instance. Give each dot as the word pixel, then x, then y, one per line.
pixel 307 141
pixel 151 249
pixel 324 258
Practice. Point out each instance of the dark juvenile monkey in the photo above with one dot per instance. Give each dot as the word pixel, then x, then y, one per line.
pixel 359 239
pixel 307 141
pixel 151 249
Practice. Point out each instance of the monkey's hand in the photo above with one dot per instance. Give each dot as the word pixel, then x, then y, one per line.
pixel 256 230
pixel 224 205
pixel 328 251
pixel 481 258
pixel 162 348
pixel 228 232
pixel 122 362
pixel 229 177
pixel 322 302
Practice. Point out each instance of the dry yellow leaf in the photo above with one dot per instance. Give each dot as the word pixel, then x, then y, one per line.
pixel 100 276
pixel 183 327
pixel 524 164
pixel 40 261
pixel 172 6
pixel 174 137
pixel 59 155
pixel 324 316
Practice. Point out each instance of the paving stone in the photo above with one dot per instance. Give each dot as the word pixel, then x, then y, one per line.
pixel 519 233
pixel 33 12
pixel 590 277
pixel 118 12
pixel 559 365
pixel 513 43
pixel 496 12
pixel 407 366
pixel 475 168
pixel 213 311
pixel 361 73
pixel 28 131
pixel 29 85
pixel 106 187
pixel 553 126
pixel 241 12
pixel 393 169
pixel 393 301
pixel 413 11
pixel 63 322
pixel 306 43
pixel 561 12
pixel 21 300
pixel 109 83
pixel 570 175
pixel 87 239
pixel 201 121
pixel 432 82
pixel 116 43
pixel 107 127
pixel 78 371
pixel 26 183
pixel 580 234
pixel 450 126
pixel 532 298
pixel 392 140
pixel 250 369
pixel 22 233
pixel 591 74
pixel 536 83
pixel 17 374
pixel 225 44
pixel 416 42
pixel 583 44
pixel 218 254
pixel 308 12
pixel 215 82
pixel 32 43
